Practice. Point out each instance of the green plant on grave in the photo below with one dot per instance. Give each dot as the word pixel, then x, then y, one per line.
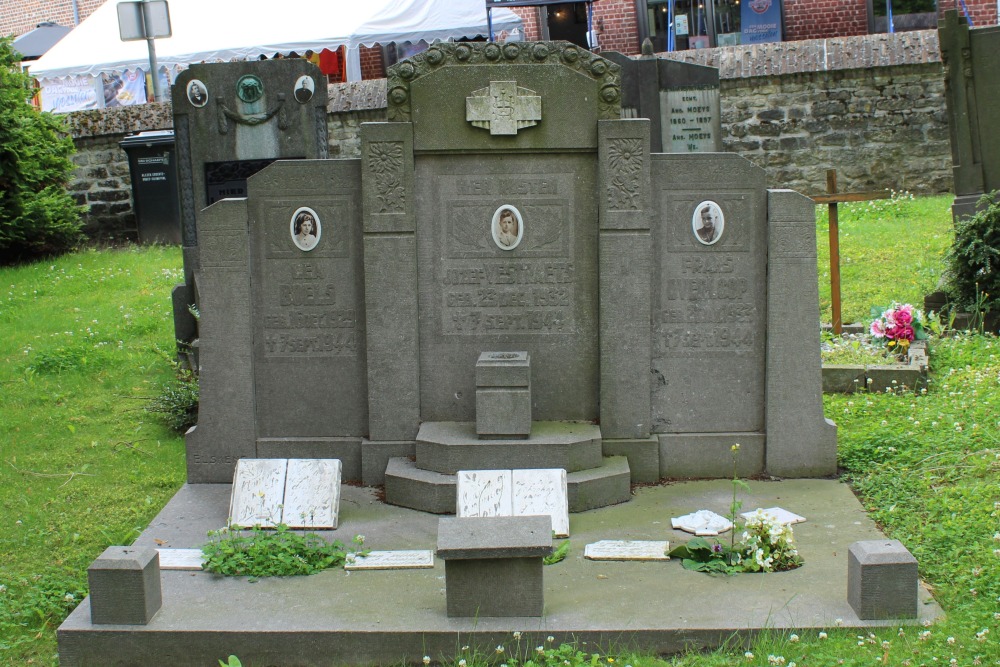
pixel 974 259
pixel 558 555
pixel 232 662
pixel 177 403
pixel 37 216
pixel 766 544
pixel 281 552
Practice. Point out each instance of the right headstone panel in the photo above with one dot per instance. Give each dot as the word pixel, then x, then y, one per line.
pixel 709 294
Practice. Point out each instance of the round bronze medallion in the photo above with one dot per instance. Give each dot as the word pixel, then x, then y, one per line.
pixel 249 88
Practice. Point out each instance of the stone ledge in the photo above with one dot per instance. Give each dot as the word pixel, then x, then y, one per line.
pixel 879 378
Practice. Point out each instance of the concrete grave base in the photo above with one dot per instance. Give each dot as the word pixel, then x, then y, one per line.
pixel 392 616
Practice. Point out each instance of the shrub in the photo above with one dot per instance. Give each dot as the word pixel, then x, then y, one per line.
pixel 37 216
pixel 177 403
pixel 974 258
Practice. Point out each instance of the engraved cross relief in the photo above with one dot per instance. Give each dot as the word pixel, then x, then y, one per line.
pixel 503 108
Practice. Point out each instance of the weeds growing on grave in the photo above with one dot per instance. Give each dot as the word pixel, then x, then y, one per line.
pixel 766 544
pixel 281 552
pixel 177 403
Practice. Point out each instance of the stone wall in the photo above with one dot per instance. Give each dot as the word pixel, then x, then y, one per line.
pixel 872 107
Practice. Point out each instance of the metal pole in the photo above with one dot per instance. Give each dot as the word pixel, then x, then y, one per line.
pixel 150 43
pixel 831 188
pixel 489 21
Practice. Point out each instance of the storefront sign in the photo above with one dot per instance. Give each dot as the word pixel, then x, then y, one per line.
pixel 760 21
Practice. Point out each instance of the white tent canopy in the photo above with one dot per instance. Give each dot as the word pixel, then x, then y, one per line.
pixel 220 30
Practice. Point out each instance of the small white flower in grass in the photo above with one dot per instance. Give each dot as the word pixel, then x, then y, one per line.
pixel 427 660
pixel 748 655
pixel 465 648
pixel 793 638
pixel 540 649
pixel 981 635
pixel 462 663
pixel 517 634
pixel 839 621
pixel 500 649
pixel 951 640
pixel 550 639
pixel 822 635
pixel 69 597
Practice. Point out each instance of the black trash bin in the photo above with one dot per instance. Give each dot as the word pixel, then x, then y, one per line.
pixel 153 168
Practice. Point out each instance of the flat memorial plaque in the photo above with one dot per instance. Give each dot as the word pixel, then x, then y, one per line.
pixel 181 559
pixel 391 560
pixel 702 522
pixel 258 493
pixel 312 493
pixel 780 515
pixel 627 550
pixel 541 492
pixel 484 493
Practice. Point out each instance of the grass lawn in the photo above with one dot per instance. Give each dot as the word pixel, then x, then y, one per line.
pixel 86 339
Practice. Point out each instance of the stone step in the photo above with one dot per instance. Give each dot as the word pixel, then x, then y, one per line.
pixel 447 447
pixel 406 485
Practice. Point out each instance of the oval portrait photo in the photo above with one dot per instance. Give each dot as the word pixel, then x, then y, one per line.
pixel 305 228
pixel 708 222
pixel 304 88
pixel 507 227
pixel 197 93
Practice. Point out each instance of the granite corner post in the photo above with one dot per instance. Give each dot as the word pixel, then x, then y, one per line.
pixel 800 441
pixel 225 431
pixel 625 256
pixel 390 252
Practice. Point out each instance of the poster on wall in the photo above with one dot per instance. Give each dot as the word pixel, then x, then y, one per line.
pixel 760 21
pixel 71 93
pixel 122 89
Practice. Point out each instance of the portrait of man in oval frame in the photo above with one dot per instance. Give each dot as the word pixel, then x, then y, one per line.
pixel 507 227
pixel 708 222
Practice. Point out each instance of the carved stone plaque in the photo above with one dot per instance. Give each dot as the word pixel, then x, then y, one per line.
pixel 258 492
pixel 627 550
pixel 391 560
pixel 702 522
pixel 181 559
pixel 503 108
pixel 488 493
pixel 778 514
pixel 302 493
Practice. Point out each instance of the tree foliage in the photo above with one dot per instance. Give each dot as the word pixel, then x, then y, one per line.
pixel 37 216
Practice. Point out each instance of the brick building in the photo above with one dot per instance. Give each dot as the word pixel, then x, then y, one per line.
pixel 619 25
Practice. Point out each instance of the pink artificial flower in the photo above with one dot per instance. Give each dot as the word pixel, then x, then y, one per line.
pixel 877 329
pixel 891 332
pixel 890 317
pixel 904 315
pixel 904 332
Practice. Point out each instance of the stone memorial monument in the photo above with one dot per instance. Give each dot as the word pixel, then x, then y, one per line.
pixel 511 294
pixel 972 93
pixel 509 278
pixel 681 101
pixel 230 121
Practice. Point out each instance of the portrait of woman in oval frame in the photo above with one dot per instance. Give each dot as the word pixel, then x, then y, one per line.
pixel 305 229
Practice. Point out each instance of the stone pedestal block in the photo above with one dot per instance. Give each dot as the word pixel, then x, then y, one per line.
pixel 882 580
pixel 124 586
pixel 493 566
pixel 503 395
